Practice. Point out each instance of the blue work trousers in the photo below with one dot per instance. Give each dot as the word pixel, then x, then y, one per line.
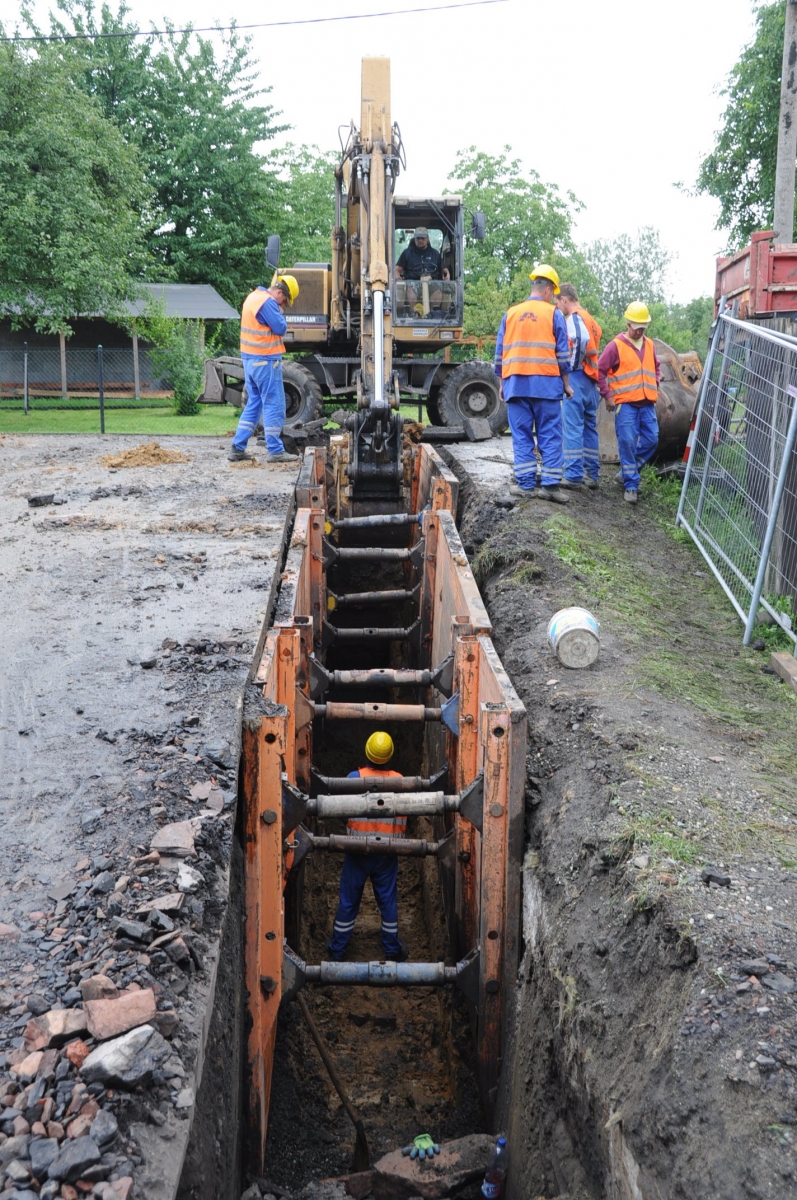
pixel 383 872
pixel 581 429
pixel 266 403
pixel 637 432
pixel 528 417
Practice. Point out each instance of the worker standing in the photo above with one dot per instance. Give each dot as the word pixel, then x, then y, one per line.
pixel 382 869
pixel 532 360
pixel 262 326
pixel 628 378
pixel 579 410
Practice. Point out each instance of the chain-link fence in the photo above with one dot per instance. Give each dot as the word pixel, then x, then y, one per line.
pixel 38 378
pixel 739 497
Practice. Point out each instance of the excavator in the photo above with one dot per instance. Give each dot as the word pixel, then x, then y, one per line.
pixel 359 333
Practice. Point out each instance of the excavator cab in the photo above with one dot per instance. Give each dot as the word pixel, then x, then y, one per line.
pixel 423 305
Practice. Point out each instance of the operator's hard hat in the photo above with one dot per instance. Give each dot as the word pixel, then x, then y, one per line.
pixel 637 313
pixel 290 285
pixel 545 271
pixel 379 747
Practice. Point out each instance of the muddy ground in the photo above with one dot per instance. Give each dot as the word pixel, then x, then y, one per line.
pixel 656 1032
pixel 132 607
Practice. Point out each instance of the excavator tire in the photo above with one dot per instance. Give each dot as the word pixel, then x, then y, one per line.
pixel 471 390
pixel 303 398
pixel 433 407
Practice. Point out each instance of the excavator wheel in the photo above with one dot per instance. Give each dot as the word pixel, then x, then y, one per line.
pixel 433 407
pixel 471 390
pixel 303 398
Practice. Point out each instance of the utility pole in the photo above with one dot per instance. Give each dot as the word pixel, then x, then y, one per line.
pixel 787 131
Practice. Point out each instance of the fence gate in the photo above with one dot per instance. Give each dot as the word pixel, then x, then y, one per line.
pixel 739 497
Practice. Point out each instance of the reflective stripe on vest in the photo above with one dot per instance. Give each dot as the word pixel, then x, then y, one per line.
pixel 633 380
pixel 590 363
pixel 367 826
pixel 257 338
pixel 529 340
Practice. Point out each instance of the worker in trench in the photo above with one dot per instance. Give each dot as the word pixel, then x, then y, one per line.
pixel 628 378
pixel 262 326
pixel 579 411
pixel 382 869
pixel 532 361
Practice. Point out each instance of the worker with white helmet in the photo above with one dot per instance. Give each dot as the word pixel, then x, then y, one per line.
pixel 532 361
pixel 262 326
pixel 381 869
pixel 628 378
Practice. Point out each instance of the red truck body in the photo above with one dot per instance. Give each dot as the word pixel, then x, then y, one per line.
pixel 762 277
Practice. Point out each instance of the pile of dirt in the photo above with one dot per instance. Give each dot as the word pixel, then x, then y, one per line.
pixel 148 455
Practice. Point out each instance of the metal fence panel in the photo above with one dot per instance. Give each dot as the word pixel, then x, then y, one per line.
pixel 739 497
pixel 69 379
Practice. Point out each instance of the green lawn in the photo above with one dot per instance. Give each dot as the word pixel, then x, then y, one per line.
pixel 212 420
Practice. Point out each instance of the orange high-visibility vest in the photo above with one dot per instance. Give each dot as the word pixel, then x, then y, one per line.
pixel 367 826
pixel 632 379
pixel 590 363
pixel 257 338
pixel 529 340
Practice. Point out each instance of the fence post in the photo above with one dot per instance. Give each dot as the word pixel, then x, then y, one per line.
pixel 136 373
pixel 25 376
pixel 705 384
pixel 774 511
pixel 62 348
pixel 101 389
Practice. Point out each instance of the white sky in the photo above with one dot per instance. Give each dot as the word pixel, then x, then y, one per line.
pixel 630 108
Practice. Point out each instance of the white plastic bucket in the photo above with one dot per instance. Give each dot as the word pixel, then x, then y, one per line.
pixel 575 636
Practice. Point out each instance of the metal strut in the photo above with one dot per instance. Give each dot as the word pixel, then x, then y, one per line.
pixel 401 783
pixel 321 679
pixel 343 711
pixel 296 974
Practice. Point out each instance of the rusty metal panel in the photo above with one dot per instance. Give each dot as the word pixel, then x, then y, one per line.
pixel 434 484
pixel 466 674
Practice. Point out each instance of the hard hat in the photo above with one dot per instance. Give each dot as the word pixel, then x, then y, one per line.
pixel 379 747
pixel 421 231
pixel 289 284
pixel 545 271
pixel 637 313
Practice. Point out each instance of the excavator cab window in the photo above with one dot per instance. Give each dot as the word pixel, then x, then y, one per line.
pixel 427 297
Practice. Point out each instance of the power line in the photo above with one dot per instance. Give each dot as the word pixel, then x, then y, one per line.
pixel 395 12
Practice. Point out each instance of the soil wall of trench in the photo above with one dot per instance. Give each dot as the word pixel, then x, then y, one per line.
pixel 639 1067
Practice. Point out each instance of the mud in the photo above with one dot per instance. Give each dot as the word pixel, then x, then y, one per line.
pixel 649 1060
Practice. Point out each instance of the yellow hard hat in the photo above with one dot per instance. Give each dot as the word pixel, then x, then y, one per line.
pixel 637 313
pixel 291 285
pixel 379 747
pixel 545 271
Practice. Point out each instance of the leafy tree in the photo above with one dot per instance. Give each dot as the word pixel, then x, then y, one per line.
pixel 526 219
pixel 740 170
pixel 630 268
pixel 196 116
pixel 177 355
pixel 304 190
pixel 70 196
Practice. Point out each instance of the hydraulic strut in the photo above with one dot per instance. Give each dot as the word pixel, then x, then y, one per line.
pixel 341 711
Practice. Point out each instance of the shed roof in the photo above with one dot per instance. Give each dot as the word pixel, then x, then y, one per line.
pixel 199 301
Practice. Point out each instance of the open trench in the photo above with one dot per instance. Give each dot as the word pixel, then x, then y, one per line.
pixel 405 1054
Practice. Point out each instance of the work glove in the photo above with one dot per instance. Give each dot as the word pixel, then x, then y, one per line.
pixel 423 1147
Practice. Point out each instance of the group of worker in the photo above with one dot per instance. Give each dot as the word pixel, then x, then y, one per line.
pixel 553 376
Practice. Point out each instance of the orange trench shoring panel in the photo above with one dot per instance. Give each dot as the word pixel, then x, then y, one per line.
pixel 481 747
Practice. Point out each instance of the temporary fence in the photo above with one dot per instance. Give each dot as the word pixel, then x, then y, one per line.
pixel 40 378
pixel 739 496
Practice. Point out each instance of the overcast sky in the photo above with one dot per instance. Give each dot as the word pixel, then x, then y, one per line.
pixel 624 105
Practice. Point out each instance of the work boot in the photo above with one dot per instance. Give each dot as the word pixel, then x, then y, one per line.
pixel 554 495
pixel 401 955
pixel 282 457
pixel 237 455
pixel 572 485
pixel 630 497
pixel 592 484
pixel 335 956
pixel 519 492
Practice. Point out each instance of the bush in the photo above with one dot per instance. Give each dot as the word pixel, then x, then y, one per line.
pixel 180 361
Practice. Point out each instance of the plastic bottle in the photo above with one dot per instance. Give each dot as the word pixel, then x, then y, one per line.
pixel 497 1168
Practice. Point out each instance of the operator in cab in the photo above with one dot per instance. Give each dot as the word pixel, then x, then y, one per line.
pixel 382 869
pixel 420 261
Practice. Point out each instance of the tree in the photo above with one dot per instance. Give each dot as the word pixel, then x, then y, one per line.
pixel 197 119
pixel 70 196
pixel 630 268
pixel 740 170
pixel 304 190
pixel 526 220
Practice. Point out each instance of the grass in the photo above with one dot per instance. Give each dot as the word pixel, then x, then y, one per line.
pixel 212 420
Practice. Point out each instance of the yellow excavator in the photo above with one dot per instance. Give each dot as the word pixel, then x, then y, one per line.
pixel 358 331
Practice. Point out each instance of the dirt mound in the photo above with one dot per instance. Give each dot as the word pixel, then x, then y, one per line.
pixel 148 455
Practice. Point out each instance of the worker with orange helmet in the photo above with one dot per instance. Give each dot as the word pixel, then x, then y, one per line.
pixel 532 361
pixel 381 869
pixel 262 326
pixel 628 378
